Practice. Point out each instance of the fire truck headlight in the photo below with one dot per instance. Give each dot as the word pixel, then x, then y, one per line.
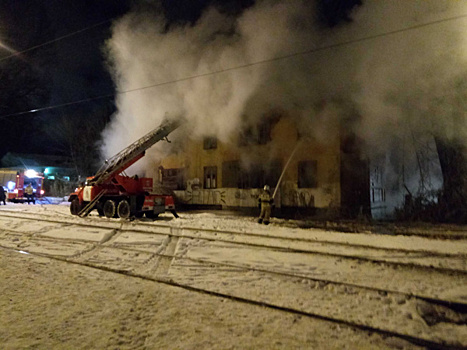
pixel 30 173
pixel 42 192
pixel 15 191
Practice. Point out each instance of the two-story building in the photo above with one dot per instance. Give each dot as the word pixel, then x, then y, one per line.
pixel 308 175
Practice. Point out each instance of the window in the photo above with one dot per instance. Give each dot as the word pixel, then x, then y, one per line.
pixel 264 132
pixel 308 174
pixel 231 174
pixel 255 176
pixel 259 134
pixel 251 177
pixel 378 195
pixel 173 179
pixel 210 177
pixel 246 137
pixel 210 142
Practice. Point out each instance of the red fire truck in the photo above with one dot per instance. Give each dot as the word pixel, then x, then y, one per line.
pixel 114 194
pixel 16 180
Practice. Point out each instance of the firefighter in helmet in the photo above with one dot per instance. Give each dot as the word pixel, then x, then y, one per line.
pixel 265 201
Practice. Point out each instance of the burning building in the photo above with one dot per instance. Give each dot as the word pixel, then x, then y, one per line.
pixel 307 175
pixel 251 87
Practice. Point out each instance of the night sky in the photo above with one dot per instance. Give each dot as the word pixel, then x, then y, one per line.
pixel 67 70
pixel 61 72
pixel 73 68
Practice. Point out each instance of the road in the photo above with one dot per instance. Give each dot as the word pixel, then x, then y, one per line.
pixel 377 291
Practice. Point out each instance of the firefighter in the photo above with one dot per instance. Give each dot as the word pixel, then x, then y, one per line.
pixel 2 195
pixel 30 194
pixel 265 201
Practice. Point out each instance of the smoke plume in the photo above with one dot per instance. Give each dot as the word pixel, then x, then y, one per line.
pixel 396 85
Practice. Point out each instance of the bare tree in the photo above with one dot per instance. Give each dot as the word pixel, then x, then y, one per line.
pixel 77 133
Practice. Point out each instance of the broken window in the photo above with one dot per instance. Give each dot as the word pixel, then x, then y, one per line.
pixel 231 174
pixel 210 177
pixel 246 137
pixel 255 176
pixel 173 179
pixel 264 131
pixel 210 142
pixel 308 174
pixel 259 134
pixel 251 177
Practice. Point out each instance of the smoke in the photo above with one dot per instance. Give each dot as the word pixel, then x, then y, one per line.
pixel 402 86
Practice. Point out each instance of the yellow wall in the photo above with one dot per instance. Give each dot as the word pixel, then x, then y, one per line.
pixel 284 139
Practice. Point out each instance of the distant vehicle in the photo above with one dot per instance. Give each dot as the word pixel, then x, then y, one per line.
pixel 114 194
pixel 17 180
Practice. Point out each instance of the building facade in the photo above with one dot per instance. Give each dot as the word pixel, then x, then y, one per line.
pixel 306 174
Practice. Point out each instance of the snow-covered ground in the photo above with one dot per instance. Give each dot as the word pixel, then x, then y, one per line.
pixel 47 299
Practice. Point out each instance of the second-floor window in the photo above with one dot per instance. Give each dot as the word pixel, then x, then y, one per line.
pixel 210 142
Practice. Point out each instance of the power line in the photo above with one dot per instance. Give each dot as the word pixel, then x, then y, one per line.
pixel 17 53
pixel 58 105
pixel 279 58
pixel 301 53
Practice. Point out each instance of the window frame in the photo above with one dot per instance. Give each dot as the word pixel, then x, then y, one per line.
pixel 210 174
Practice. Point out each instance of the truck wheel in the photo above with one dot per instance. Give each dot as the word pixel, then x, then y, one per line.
pixel 109 208
pixel 124 209
pixel 75 207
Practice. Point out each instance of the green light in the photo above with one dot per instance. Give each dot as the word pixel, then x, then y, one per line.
pixel 47 171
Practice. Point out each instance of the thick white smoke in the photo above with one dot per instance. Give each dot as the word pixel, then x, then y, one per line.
pixel 404 85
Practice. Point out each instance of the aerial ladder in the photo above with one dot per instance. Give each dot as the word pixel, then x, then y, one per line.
pixel 115 194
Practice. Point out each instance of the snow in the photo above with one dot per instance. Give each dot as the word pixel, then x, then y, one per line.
pixel 51 299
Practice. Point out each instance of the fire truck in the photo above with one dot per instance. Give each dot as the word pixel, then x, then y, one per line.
pixel 114 194
pixel 17 179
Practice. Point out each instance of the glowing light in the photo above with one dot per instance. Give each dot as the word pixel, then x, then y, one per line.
pixel 42 192
pixel 15 191
pixel 47 171
pixel 10 185
pixel 31 173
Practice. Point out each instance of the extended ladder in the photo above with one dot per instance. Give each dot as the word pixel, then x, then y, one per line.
pixel 123 159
